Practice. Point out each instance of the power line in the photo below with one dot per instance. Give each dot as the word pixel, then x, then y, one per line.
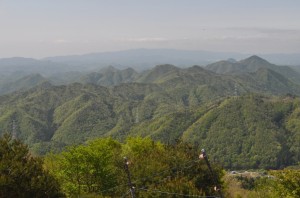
pixel 170 193
pixel 185 166
pixel 170 170
pixel 118 186
pixel 160 181
pixel 127 193
pixel 153 175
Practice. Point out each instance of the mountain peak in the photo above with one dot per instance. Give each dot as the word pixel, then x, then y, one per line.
pixel 254 60
pixel 109 69
pixel 255 56
pixel 231 60
pixel 165 68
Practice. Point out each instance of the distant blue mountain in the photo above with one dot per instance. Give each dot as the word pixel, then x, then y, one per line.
pixel 146 58
pixel 138 59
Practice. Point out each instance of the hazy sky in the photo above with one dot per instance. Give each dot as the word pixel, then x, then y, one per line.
pixel 39 28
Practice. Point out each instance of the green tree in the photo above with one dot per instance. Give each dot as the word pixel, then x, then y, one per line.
pixel 169 168
pixel 98 168
pixel 87 169
pixel 283 183
pixel 22 175
pixel 287 183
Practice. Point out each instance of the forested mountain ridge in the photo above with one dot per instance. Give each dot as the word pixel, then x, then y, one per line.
pixel 224 113
pixel 238 128
pixel 109 76
pixel 239 73
pixel 253 131
pixel 250 65
pixel 22 84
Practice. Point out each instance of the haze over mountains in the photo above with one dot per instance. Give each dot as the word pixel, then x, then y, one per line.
pixel 127 66
pixel 145 58
pixel 139 59
pixel 85 83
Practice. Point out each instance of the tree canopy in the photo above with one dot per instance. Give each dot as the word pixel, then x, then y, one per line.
pixel 22 175
pixel 97 168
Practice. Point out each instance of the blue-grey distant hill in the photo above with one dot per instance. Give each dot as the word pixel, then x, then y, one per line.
pixel 138 59
pixel 29 65
pixel 24 73
pixel 145 58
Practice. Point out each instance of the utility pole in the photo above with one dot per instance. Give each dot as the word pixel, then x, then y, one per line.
pixel 217 187
pixel 132 191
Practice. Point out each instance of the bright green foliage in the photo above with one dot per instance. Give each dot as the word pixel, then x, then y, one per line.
pixel 293 125
pixel 87 168
pixel 287 183
pixel 98 168
pixel 22 175
pixel 280 183
pixel 244 131
pixel 146 159
pixel 250 131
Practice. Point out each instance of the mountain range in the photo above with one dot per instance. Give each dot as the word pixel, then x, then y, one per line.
pixel 252 73
pixel 245 112
pixel 146 58
pixel 138 59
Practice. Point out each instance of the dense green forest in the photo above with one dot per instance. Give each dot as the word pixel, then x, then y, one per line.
pixel 98 169
pixel 247 120
pixel 79 131
pixel 22 175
